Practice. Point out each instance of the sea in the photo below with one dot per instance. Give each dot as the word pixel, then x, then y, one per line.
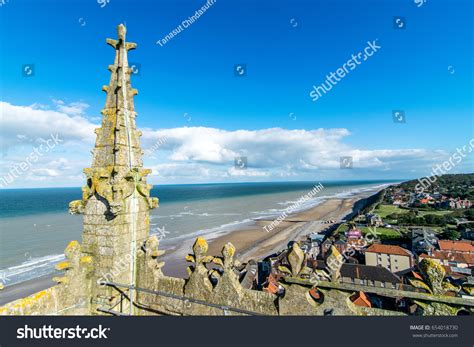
pixel 35 226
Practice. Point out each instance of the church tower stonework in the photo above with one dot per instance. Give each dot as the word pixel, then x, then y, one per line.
pixel 116 199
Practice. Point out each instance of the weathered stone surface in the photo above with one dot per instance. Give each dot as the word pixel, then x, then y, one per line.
pixel 434 274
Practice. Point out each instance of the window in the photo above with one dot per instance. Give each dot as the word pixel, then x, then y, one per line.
pixel 394 286
pixel 371 282
pixel 382 284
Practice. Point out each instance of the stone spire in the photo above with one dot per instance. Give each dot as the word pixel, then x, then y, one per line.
pixel 116 199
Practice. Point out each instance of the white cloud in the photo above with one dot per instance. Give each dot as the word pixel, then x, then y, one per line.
pixel 28 122
pixel 73 108
pixel 195 154
pixel 273 148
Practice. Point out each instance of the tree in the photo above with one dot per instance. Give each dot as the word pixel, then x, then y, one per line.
pixel 452 234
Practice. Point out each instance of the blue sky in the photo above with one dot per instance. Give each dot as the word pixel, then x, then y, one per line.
pixel 187 88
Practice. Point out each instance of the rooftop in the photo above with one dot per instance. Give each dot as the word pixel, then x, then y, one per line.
pixel 465 258
pixel 388 249
pixel 366 272
pixel 456 246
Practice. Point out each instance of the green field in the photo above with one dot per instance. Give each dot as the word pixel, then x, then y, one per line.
pixel 384 210
pixel 382 233
pixel 436 212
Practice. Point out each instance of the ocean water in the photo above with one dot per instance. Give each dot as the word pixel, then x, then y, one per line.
pixel 35 226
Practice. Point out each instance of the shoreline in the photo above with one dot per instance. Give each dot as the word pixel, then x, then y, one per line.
pixel 251 241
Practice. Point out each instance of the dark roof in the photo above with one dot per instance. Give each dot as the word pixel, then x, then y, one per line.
pixel 366 272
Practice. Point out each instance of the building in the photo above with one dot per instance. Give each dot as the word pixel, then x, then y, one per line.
pixel 354 234
pixel 373 220
pixel 393 258
pixel 467 234
pixel 456 246
pixel 423 240
pixel 372 276
pixel 451 259
pixel 456 203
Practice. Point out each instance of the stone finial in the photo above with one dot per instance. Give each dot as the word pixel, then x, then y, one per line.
pixel 334 262
pixel 199 258
pixel 297 262
pixel 296 258
pixel 121 31
pixel 226 262
pixel 228 252
pixel 150 248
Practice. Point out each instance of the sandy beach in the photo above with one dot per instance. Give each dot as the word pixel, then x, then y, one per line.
pixel 254 242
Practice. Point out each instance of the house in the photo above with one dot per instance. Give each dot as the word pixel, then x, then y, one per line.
pixel 373 220
pixel 451 259
pixel 457 203
pixel 467 234
pixel 423 240
pixel 354 233
pixel 272 285
pixel 394 258
pixel 341 246
pixel 316 237
pixel 372 276
pixel 356 244
pixel 397 202
pixel 326 246
pixel 463 246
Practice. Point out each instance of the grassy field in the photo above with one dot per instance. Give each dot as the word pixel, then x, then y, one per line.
pixel 382 233
pixel 384 210
pixel 438 213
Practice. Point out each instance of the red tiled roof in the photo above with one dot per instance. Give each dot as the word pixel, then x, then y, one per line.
pixel 457 246
pixel 360 299
pixel 465 258
pixel 388 249
pixel 271 285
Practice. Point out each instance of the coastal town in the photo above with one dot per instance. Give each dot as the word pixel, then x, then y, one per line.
pixel 383 245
